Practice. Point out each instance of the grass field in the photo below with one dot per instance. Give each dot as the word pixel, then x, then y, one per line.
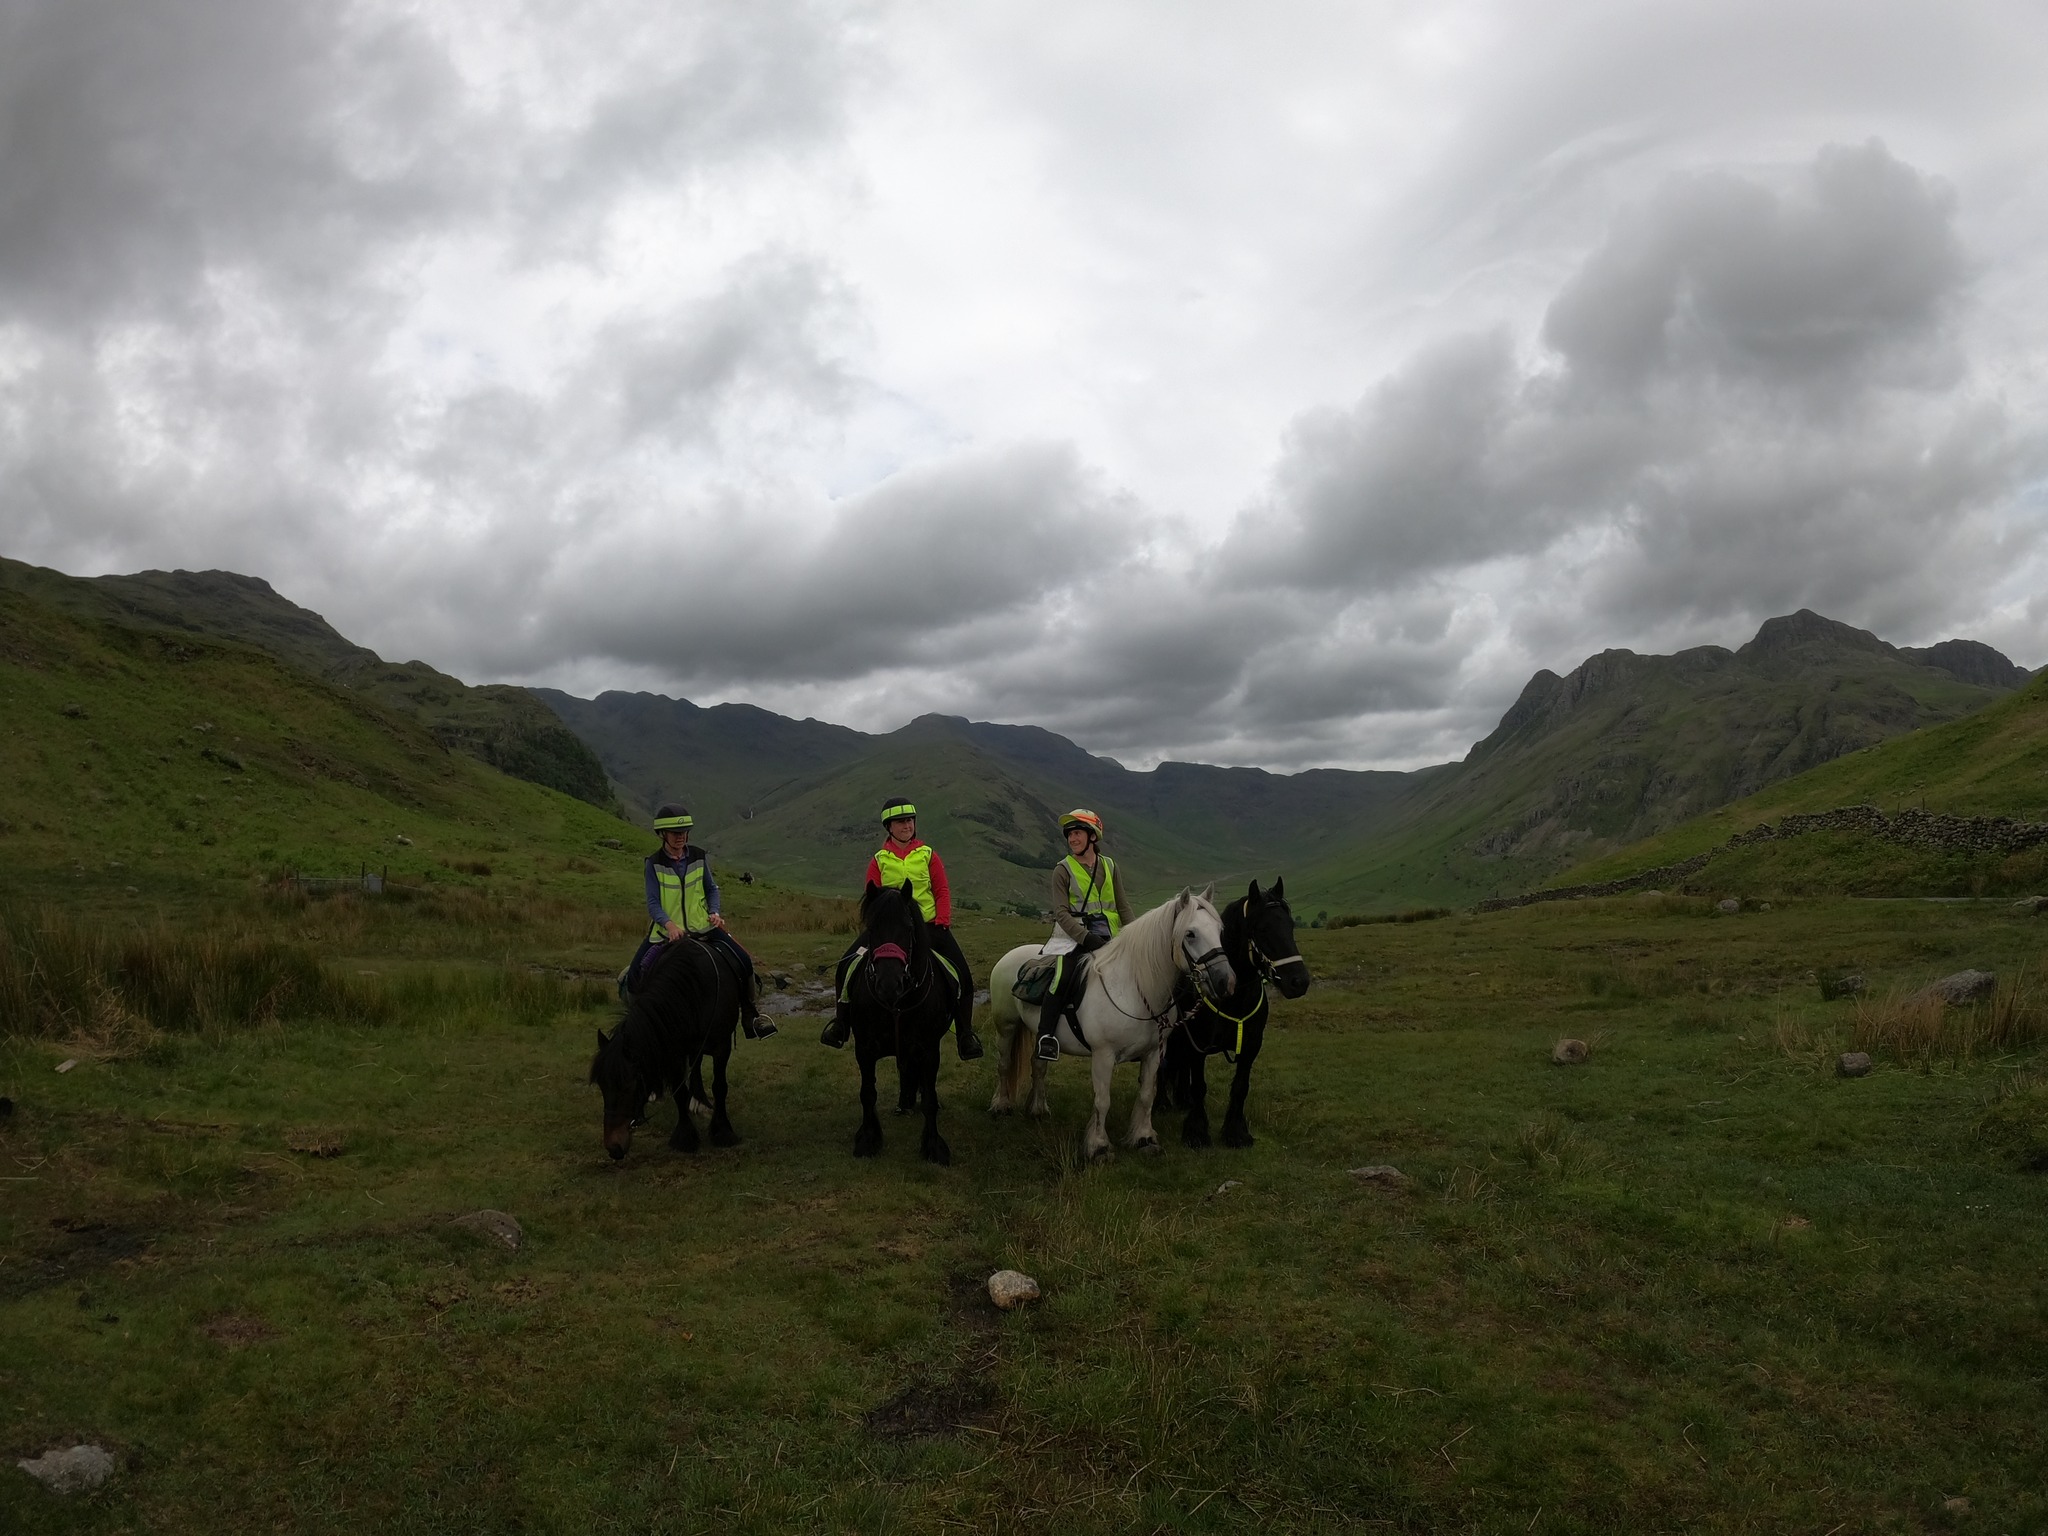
pixel 1697 1283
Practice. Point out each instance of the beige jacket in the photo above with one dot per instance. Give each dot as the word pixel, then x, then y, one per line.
pixel 1063 915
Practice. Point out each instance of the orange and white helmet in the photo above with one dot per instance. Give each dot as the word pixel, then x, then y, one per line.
pixel 1087 821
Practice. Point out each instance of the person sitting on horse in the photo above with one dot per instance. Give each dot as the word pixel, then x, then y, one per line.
pixel 1087 910
pixel 682 902
pixel 904 856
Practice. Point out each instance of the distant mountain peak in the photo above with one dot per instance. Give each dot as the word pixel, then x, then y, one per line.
pixel 1780 635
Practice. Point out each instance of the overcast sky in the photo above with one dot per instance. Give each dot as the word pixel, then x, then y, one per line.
pixel 1275 383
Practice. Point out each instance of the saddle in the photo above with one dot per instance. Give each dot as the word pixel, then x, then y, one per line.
pixel 1057 981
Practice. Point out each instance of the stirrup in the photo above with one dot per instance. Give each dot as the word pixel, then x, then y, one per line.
pixel 834 1034
pixel 968 1044
pixel 1048 1047
pixel 759 1027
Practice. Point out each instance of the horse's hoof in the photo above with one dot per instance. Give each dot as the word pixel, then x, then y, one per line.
pixel 1149 1146
pixel 905 1109
pixel 1102 1155
pixel 939 1153
pixel 863 1148
pixel 724 1136
pixel 1238 1136
pixel 682 1146
pixel 1193 1138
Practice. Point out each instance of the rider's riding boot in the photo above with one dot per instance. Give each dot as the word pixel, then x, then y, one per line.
pixel 836 1032
pixel 966 1041
pixel 1048 1047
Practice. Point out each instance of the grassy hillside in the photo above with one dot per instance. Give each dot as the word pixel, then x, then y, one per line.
pixel 139 759
pixel 1992 763
pixel 505 727
pixel 1627 746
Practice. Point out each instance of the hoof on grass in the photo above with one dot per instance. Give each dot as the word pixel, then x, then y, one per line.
pixel 1238 1136
pixel 939 1153
pixel 724 1136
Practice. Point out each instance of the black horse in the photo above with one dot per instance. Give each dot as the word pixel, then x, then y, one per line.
pixel 683 1008
pixel 901 1001
pixel 1258 940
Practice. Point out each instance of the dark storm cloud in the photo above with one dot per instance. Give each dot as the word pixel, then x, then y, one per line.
pixel 1748 400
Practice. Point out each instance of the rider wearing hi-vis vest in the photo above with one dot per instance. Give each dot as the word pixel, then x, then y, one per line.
pixel 903 856
pixel 1087 909
pixel 682 903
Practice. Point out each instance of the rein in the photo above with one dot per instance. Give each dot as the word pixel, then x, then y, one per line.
pixel 1262 968
pixel 1197 978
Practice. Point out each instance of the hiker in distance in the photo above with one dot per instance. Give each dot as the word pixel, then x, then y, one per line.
pixel 682 902
pixel 905 856
pixel 1087 908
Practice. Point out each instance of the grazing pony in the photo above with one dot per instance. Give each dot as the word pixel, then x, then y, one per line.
pixel 1258 938
pixel 900 997
pixel 686 1006
pixel 1124 1011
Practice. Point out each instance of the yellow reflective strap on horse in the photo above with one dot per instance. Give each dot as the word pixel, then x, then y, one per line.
pixel 1239 1020
pixel 949 968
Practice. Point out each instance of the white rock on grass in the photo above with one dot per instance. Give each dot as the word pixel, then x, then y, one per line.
pixel 496 1224
pixel 80 1469
pixel 1570 1053
pixel 1381 1175
pixel 1853 1064
pixel 1728 904
pixel 1009 1288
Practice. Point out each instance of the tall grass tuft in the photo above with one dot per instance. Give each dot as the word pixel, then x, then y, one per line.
pixel 60 977
pixel 1917 1029
pixel 110 990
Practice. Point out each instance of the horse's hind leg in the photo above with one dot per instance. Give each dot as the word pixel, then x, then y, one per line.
pixel 722 1133
pixel 867 1141
pixel 906 1083
pixel 1039 1109
pixel 1141 1136
pixel 694 1099
pixel 1194 1131
pixel 934 1148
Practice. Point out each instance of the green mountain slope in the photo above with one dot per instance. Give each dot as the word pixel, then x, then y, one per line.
pixel 1991 763
pixel 179 760
pixel 503 726
pixel 1628 745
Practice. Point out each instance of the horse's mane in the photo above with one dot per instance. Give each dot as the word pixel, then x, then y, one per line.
pixel 1149 935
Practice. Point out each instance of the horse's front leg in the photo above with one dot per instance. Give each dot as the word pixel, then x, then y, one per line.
pixel 1235 1132
pixel 1095 1140
pixel 907 1069
pixel 867 1141
pixel 722 1133
pixel 1194 1131
pixel 1141 1137
pixel 934 1148
pixel 684 1138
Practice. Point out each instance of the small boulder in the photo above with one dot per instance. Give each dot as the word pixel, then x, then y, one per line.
pixel 75 712
pixel 1009 1288
pixel 1956 1504
pixel 1962 987
pixel 1225 1187
pixel 494 1224
pixel 1381 1176
pixel 2034 904
pixel 402 840
pixel 1570 1053
pixel 1853 1064
pixel 80 1469
pixel 1728 904
pixel 1833 987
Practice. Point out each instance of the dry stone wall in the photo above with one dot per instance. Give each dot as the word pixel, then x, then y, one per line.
pixel 1930 830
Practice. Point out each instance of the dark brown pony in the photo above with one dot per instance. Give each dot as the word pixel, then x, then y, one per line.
pixel 1258 940
pixel 684 1009
pixel 901 1001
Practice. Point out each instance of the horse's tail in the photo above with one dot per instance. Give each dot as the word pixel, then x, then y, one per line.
pixel 1013 1041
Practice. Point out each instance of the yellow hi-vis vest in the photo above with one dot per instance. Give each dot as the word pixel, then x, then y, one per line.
pixel 682 899
pixel 1093 893
pixel 916 867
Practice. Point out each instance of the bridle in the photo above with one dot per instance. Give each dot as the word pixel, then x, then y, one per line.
pixel 1195 968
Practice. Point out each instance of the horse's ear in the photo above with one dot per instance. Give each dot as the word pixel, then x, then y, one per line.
pixel 601 1041
pixel 1209 893
pixel 872 888
pixel 1251 897
pixel 908 889
pixel 1279 891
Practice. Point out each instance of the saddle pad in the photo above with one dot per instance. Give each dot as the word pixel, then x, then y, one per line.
pixel 1036 979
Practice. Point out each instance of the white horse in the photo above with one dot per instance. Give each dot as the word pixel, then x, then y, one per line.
pixel 1124 1011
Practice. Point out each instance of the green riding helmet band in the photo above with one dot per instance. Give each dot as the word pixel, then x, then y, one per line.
pixel 896 810
pixel 672 818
